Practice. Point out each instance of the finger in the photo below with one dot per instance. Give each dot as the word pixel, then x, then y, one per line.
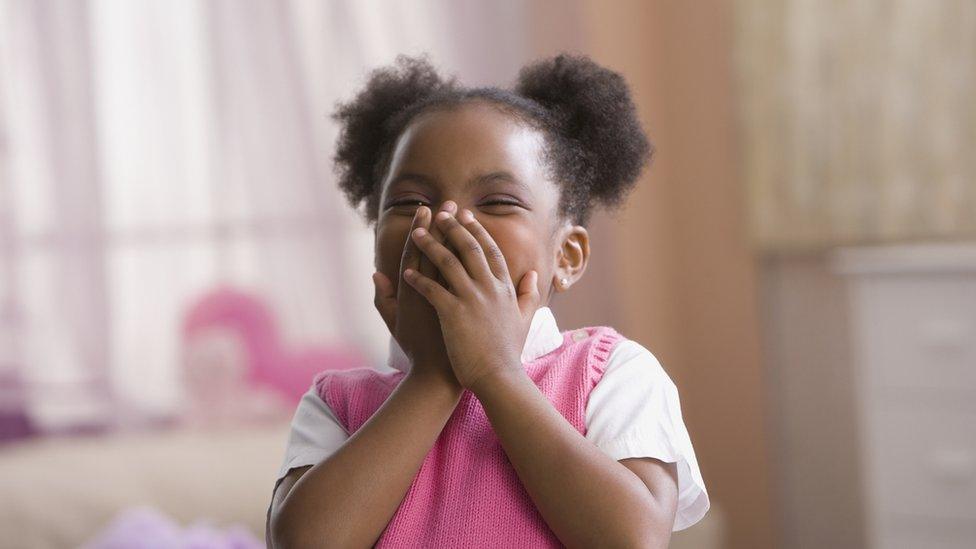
pixel 411 254
pixel 436 295
pixel 529 297
pixel 426 267
pixel 493 254
pixel 471 252
pixel 446 262
pixel 385 300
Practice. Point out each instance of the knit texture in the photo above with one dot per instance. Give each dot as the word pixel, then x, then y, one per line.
pixel 467 494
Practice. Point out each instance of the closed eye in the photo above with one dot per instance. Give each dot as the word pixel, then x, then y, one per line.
pixel 501 203
pixel 412 202
pixel 501 207
pixel 407 206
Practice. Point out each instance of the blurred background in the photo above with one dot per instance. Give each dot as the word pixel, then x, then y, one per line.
pixel 176 262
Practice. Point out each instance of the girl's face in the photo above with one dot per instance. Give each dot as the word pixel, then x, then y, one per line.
pixel 485 161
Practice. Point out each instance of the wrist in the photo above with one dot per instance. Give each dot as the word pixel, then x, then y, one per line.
pixel 435 378
pixel 495 378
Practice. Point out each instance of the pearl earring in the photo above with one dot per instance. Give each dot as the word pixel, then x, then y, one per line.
pixel 563 282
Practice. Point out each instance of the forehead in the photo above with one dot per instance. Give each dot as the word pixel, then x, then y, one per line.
pixel 453 144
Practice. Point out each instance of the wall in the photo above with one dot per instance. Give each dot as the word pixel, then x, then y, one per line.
pixel 814 431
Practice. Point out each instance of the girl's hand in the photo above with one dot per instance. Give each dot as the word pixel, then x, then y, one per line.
pixel 485 319
pixel 410 318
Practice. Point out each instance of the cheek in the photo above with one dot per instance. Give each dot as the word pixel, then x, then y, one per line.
pixel 390 240
pixel 524 250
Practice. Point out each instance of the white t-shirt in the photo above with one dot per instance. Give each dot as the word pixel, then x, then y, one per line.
pixel 632 412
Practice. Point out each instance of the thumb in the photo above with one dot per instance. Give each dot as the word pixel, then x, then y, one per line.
pixel 385 300
pixel 528 294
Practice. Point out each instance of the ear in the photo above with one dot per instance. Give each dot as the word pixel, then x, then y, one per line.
pixel 571 257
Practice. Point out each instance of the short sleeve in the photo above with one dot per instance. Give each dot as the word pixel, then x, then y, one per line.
pixel 634 411
pixel 315 434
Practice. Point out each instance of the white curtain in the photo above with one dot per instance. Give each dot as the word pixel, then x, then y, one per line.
pixel 150 150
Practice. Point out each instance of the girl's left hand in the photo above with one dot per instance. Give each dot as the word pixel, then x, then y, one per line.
pixel 484 318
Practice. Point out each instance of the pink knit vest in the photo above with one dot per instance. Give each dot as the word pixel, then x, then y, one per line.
pixel 467 493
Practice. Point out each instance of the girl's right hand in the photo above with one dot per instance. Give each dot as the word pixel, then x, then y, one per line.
pixel 411 319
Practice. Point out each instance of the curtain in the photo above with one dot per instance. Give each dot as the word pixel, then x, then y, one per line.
pixel 857 120
pixel 150 151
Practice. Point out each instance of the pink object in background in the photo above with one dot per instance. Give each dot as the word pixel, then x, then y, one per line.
pixel 236 365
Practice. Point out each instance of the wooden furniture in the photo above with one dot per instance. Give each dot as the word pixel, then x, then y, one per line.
pixel 913 337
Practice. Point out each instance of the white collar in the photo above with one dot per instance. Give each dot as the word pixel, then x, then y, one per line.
pixel 543 337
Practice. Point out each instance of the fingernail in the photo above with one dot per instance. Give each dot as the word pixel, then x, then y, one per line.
pixel 443 215
pixel 449 206
pixel 419 231
pixel 466 215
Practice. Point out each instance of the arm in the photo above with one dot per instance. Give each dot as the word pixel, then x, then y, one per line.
pixel 278 495
pixel 350 497
pixel 587 498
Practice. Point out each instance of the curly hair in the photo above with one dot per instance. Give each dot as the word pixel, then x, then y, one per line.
pixel 595 147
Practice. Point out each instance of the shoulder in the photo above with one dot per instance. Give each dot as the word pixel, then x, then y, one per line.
pixel 311 414
pixel 325 383
pixel 623 358
pixel 354 375
pixel 629 361
pixel 593 335
pixel 315 432
pixel 633 384
pixel 597 342
pixel 355 394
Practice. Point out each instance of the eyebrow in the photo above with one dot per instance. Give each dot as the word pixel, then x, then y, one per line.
pixel 479 179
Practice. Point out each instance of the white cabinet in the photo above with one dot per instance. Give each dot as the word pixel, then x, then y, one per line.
pixel 913 336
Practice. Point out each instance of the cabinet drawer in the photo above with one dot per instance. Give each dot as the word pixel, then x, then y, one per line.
pixel 916 331
pixel 920 533
pixel 922 463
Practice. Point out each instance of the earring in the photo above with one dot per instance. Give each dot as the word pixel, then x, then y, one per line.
pixel 563 282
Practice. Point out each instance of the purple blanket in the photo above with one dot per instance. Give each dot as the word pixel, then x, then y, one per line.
pixel 147 528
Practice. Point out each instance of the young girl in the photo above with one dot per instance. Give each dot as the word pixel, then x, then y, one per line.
pixel 493 428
